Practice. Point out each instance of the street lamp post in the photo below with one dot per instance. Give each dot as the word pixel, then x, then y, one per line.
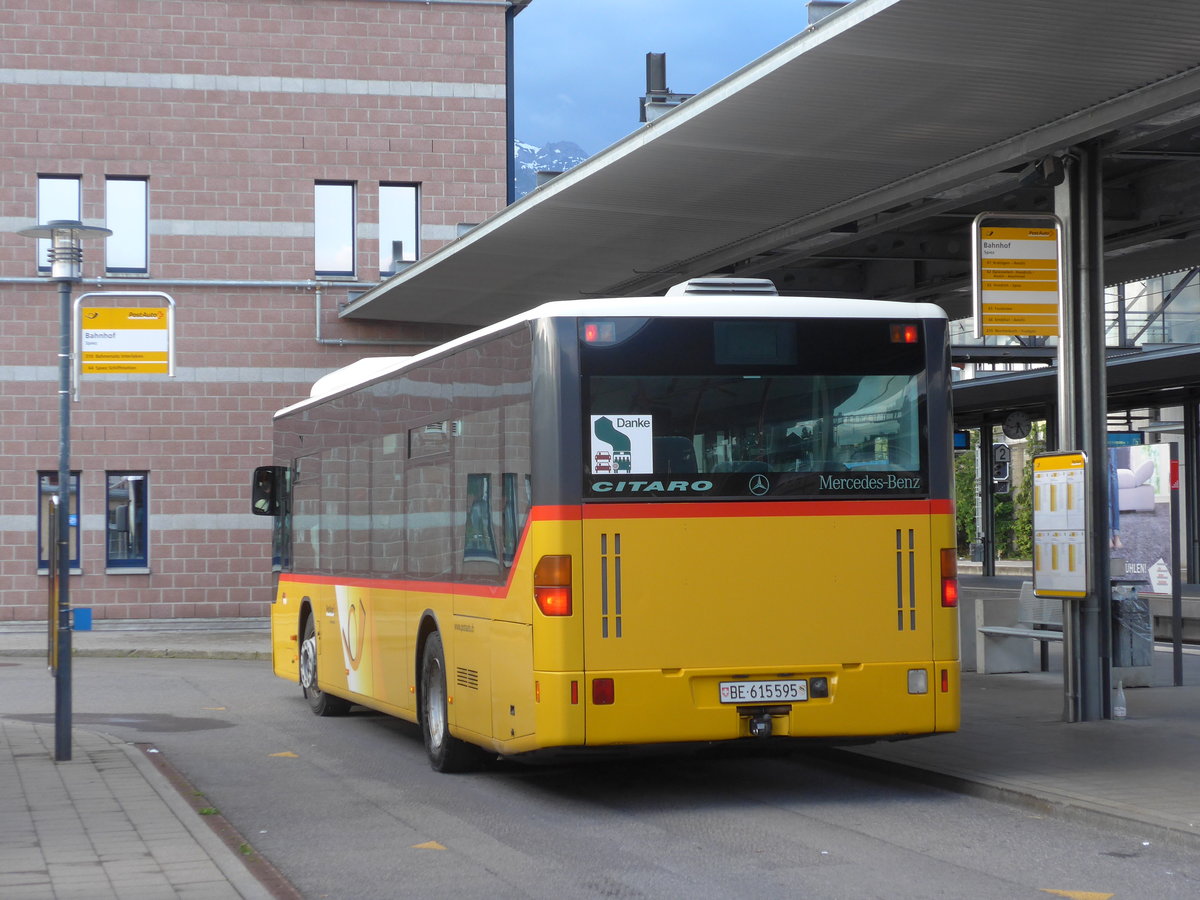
pixel 66 260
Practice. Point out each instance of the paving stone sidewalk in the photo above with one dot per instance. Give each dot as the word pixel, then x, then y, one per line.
pixel 104 824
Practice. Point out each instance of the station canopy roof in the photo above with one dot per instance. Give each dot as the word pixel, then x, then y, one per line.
pixel 851 160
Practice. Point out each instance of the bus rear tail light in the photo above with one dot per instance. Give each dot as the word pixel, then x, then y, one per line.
pixel 949 576
pixel 552 585
pixel 905 334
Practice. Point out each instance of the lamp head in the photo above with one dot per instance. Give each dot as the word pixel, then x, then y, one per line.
pixel 66 254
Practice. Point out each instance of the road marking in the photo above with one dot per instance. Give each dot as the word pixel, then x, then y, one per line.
pixel 434 845
pixel 1079 895
pixel 286 754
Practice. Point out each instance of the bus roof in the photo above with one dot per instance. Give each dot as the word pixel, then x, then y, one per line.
pixel 365 371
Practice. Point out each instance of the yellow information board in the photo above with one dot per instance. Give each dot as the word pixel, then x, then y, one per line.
pixel 124 339
pixel 1060 544
pixel 1017 275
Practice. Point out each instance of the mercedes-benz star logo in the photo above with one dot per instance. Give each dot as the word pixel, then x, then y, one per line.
pixel 759 485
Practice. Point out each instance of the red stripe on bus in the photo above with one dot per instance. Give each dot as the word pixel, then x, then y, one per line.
pixel 555 513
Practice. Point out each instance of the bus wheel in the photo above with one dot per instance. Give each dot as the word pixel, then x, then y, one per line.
pixel 446 753
pixel 321 703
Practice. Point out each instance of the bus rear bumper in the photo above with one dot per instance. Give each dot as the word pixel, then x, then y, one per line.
pixel 874 700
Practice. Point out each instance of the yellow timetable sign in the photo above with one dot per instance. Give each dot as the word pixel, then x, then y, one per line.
pixel 1060 542
pixel 124 339
pixel 1016 279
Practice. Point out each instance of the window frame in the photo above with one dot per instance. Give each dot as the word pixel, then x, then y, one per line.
pixel 47 486
pixel 123 227
pixel 61 209
pixel 136 528
pixel 328 209
pixel 399 225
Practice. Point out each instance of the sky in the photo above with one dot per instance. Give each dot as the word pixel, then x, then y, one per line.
pixel 580 65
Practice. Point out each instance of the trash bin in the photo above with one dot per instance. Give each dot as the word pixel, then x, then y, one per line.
pixel 1132 630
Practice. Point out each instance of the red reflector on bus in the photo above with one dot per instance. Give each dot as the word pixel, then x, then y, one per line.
pixel 949 576
pixel 905 334
pixel 552 585
pixel 602 691
pixel 574 693
pixel 945 681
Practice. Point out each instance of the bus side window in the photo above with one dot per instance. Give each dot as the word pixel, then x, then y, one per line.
pixel 479 541
pixel 266 490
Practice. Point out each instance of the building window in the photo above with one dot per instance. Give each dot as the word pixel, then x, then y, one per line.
pixel 126 520
pixel 398 227
pixel 126 214
pixel 48 518
pixel 333 226
pixel 57 199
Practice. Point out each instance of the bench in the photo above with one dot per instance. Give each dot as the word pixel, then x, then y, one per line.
pixel 1008 627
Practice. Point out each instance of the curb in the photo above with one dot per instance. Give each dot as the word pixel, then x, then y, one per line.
pixel 1062 804
pixel 231 852
pixel 148 654
pixel 234 870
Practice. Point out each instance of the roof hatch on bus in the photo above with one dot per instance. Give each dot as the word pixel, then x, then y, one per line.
pixel 721 285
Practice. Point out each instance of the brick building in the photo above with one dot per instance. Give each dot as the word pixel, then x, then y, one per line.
pixel 260 162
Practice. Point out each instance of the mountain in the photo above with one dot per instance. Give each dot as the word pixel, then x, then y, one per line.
pixel 556 157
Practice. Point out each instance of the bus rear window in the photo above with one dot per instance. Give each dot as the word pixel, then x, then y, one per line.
pixel 752 406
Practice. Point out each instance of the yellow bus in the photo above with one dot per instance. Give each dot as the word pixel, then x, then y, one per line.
pixel 717 515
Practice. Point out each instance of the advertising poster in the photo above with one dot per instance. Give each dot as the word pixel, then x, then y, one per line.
pixel 1140 516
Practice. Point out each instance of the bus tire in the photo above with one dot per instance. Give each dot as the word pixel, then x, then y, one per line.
pixel 321 703
pixel 446 753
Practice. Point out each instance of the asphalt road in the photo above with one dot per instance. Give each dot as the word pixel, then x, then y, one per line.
pixel 349 808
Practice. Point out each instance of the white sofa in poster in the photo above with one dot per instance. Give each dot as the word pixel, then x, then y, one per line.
pixel 1134 494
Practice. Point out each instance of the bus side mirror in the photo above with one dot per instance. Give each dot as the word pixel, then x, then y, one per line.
pixel 266 490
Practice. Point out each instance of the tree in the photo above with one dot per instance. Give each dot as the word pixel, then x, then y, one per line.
pixel 1023 498
pixel 1004 526
pixel 964 499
